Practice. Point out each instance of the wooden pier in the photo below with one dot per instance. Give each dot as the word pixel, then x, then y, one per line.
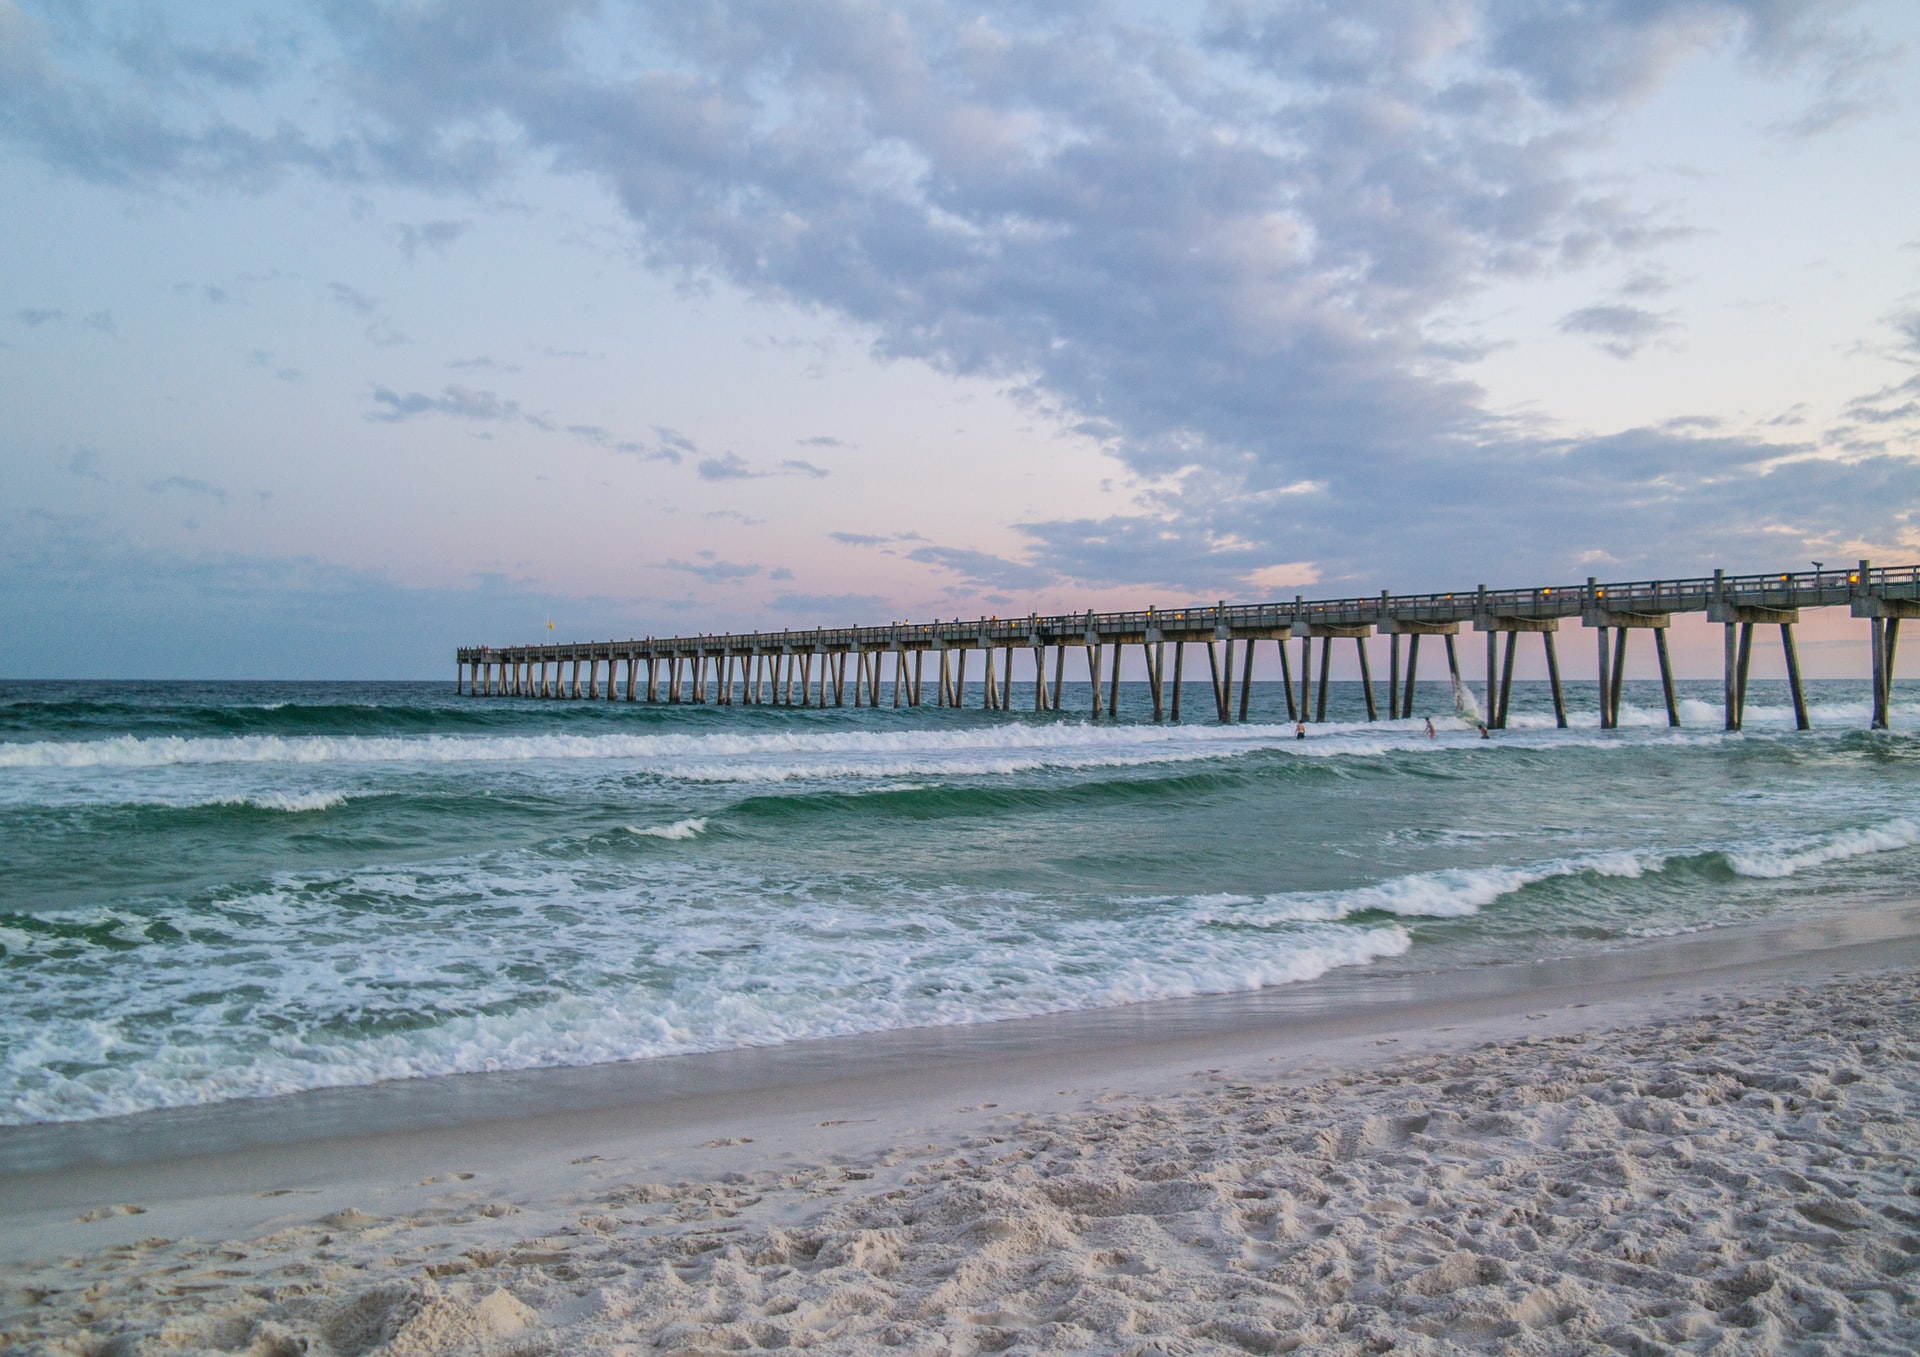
pixel 835 666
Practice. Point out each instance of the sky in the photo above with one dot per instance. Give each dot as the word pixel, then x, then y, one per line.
pixel 334 335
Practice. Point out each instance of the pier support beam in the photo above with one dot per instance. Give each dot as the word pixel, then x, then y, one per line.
pixel 1491 707
pixel 1366 677
pixel 1619 672
pixel 1093 671
pixel 1306 675
pixel 1039 675
pixel 1553 676
pixel 1666 674
pixel 1606 684
pixel 1889 646
pixel 1793 675
pixel 1059 672
pixel 1506 678
pixel 1179 676
pixel 1246 681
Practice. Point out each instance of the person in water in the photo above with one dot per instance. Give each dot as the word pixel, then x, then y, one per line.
pixel 1300 731
pixel 1431 733
pixel 1485 734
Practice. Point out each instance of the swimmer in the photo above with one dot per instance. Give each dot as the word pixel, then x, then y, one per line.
pixel 1431 733
pixel 1300 731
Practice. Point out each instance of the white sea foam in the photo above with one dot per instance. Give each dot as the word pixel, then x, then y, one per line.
pixel 678 963
pixel 1454 892
pixel 1889 837
pixel 293 803
pixel 689 828
pixel 998 749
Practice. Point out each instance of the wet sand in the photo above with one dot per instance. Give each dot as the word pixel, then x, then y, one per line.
pixel 1706 1142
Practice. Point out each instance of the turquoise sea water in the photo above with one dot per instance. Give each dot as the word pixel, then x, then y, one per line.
pixel 213 891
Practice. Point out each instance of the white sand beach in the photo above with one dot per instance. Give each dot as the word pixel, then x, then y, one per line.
pixel 1715 1158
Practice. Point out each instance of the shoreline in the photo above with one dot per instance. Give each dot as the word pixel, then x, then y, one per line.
pixel 186 1159
pixel 1634 1150
pixel 1290 1018
pixel 1709 1139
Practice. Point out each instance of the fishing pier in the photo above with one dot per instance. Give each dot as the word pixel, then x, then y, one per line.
pixel 830 667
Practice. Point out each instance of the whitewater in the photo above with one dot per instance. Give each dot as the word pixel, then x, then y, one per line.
pixel 218 891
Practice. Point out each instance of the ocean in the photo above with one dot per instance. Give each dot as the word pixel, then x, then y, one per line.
pixel 213 891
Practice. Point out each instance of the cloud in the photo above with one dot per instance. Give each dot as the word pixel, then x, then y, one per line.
pixel 726 467
pixel 353 299
pixel 187 485
pixel 731 466
pixel 457 402
pixel 436 236
pixel 36 316
pixel 98 602
pixel 673 445
pixel 712 571
pixel 262 358
pixel 832 609
pixel 984 568
pixel 481 406
pixel 1219 251
pixel 1621 330
pixel 1216 253
pixel 858 539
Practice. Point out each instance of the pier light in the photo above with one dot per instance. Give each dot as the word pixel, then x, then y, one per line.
pixel 1853 577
